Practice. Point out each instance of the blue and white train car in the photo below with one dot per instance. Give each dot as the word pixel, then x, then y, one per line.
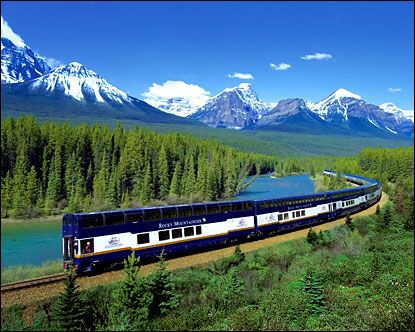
pixel 99 240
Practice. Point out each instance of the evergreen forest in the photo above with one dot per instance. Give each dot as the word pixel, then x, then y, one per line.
pixel 51 168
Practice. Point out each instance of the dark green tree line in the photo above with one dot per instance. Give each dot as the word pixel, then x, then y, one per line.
pixel 56 167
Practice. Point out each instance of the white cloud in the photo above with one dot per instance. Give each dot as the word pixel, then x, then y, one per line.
pixel 191 96
pixel 7 32
pixel 281 66
pixel 317 56
pixel 241 76
pixel 393 90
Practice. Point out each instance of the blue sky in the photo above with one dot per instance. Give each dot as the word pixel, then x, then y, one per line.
pixel 365 47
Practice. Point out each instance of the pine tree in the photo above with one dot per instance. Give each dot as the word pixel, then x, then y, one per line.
pixel 175 181
pixel 101 180
pixel 312 237
pixel 233 288
pixel 6 195
pixel 387 216
pixel 19 184
pixel 70 312
pixel 190 182
pixel 165 297
pixel 349 222
pixel 163 173
pixel 32 189
pixel 313 288
pixel 132 298
pixel 147 188
pixel 202 171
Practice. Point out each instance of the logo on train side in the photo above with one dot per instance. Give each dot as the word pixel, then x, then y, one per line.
pixel 242 223
pixel 113 242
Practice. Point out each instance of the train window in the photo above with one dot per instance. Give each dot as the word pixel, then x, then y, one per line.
pixel 298 214
pixel 213 208
pixel 264 205
pixel 69 220
pixel 225 207
pixel 176 233
pixel 199 210
pixel 285 216
pixel 75 222
pixel 342 204
pixel 169 213
pixel 280 216
pixel 153 214
pixel 92 220
pixel 237 206
pixel 302 213
pixel 185 211
pixel 134 216
pixel 143 238
pixel 87 246
pixel 115 218
pixel 198 230
pixel 247 205
pixel 293 214
pixel 164 235
pixel 189 231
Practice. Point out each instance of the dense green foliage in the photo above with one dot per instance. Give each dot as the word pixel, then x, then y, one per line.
pixel 54 167
pixel 271 142
pixel 69 310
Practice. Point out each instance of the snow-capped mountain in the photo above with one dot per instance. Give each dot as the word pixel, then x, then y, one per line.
pixel 348 109
pixel 399 114
pixel 19 63
pixel 75 92
pixel 335 106
pixel 178 106
pixel 294 115
pixel 76 81
pixel 234 108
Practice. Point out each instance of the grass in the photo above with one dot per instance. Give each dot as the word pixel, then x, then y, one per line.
pixel 57 218
pixel 24 272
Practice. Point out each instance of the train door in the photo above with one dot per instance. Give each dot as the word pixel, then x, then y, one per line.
pixel 68 239
pixel 68 250
pixel 332 210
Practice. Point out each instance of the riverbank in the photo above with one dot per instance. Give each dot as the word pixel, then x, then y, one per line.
pixel 24 272
pixel 57 218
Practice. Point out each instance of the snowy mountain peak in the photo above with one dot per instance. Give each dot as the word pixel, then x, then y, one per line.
pixel 245 86
pixel 343 93
pixel 398 113
pixel 389 107
pixel 75 69
pixel 80 83
pixel 19 63
pixel 7 32
pixel 336 105
pixel 236 107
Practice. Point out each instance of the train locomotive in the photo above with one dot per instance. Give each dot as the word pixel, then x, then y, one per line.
pixel 100 240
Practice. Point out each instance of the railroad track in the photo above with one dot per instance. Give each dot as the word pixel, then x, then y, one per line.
pixel 32 282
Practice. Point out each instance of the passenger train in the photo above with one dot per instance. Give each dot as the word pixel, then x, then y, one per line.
pixel 100 240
